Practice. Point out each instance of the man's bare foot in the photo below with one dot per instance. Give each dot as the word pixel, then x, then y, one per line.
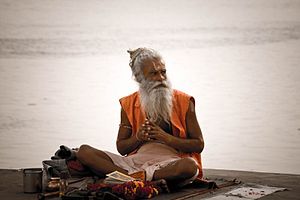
pixel 162 183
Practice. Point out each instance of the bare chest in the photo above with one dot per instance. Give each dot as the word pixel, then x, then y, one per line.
pixel 167 127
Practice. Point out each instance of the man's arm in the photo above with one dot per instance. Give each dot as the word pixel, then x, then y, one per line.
pixel 126 143
pixel 194 141
pixel 193 129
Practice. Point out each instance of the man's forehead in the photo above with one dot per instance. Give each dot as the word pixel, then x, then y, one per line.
pixel 154 64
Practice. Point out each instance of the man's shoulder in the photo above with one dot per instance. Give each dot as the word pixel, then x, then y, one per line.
pixel 129 97
pixel 180 94
pixel 182 97
pixel 182 100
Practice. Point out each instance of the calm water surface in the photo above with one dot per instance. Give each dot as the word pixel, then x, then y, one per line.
pixel 63 67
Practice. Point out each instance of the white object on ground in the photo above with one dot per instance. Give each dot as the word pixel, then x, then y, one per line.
pixel 248 191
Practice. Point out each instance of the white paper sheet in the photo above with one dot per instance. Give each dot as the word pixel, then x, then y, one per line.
pixel 248 191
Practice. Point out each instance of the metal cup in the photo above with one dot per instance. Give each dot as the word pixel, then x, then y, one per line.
pixel 32 180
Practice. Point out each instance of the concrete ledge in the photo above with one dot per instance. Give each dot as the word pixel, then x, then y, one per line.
pixel 11 185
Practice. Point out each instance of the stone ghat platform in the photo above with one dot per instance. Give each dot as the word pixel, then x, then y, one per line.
pixel 11 185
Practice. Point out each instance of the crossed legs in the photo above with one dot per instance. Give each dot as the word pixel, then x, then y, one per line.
pixel 178 171
pixel 98 161
pixel 101 164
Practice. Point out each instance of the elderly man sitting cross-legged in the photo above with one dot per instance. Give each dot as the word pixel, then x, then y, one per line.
pixel 159 133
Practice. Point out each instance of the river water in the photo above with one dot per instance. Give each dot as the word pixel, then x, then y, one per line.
pixel 63 67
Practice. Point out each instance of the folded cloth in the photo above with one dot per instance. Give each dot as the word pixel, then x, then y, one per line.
pixel 131 190
pixel 64 152
pixel 77 169
pixel 75 165
pixel 54 168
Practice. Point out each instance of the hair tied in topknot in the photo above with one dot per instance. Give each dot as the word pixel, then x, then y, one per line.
pixel 134 54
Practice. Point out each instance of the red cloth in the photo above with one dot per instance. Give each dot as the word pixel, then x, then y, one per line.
pixel 75 165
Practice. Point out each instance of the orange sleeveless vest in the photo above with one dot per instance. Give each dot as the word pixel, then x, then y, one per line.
pixel 136 116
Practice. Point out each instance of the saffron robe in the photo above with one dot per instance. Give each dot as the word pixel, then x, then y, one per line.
pixel 136 116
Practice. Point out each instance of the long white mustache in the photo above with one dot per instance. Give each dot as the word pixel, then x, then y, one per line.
pixel 156 99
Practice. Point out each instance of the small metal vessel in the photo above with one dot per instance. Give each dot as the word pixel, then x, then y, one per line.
pixel 53 184
pixel 32 180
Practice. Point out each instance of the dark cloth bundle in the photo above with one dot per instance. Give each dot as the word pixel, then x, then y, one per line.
pixel 64 152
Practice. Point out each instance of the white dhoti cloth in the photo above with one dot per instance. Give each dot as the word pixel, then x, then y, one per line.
pixel 150 157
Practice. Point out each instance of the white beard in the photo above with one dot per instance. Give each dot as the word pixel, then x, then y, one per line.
pixel 156 102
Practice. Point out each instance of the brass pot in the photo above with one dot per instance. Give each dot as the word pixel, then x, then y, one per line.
pixel 53 184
